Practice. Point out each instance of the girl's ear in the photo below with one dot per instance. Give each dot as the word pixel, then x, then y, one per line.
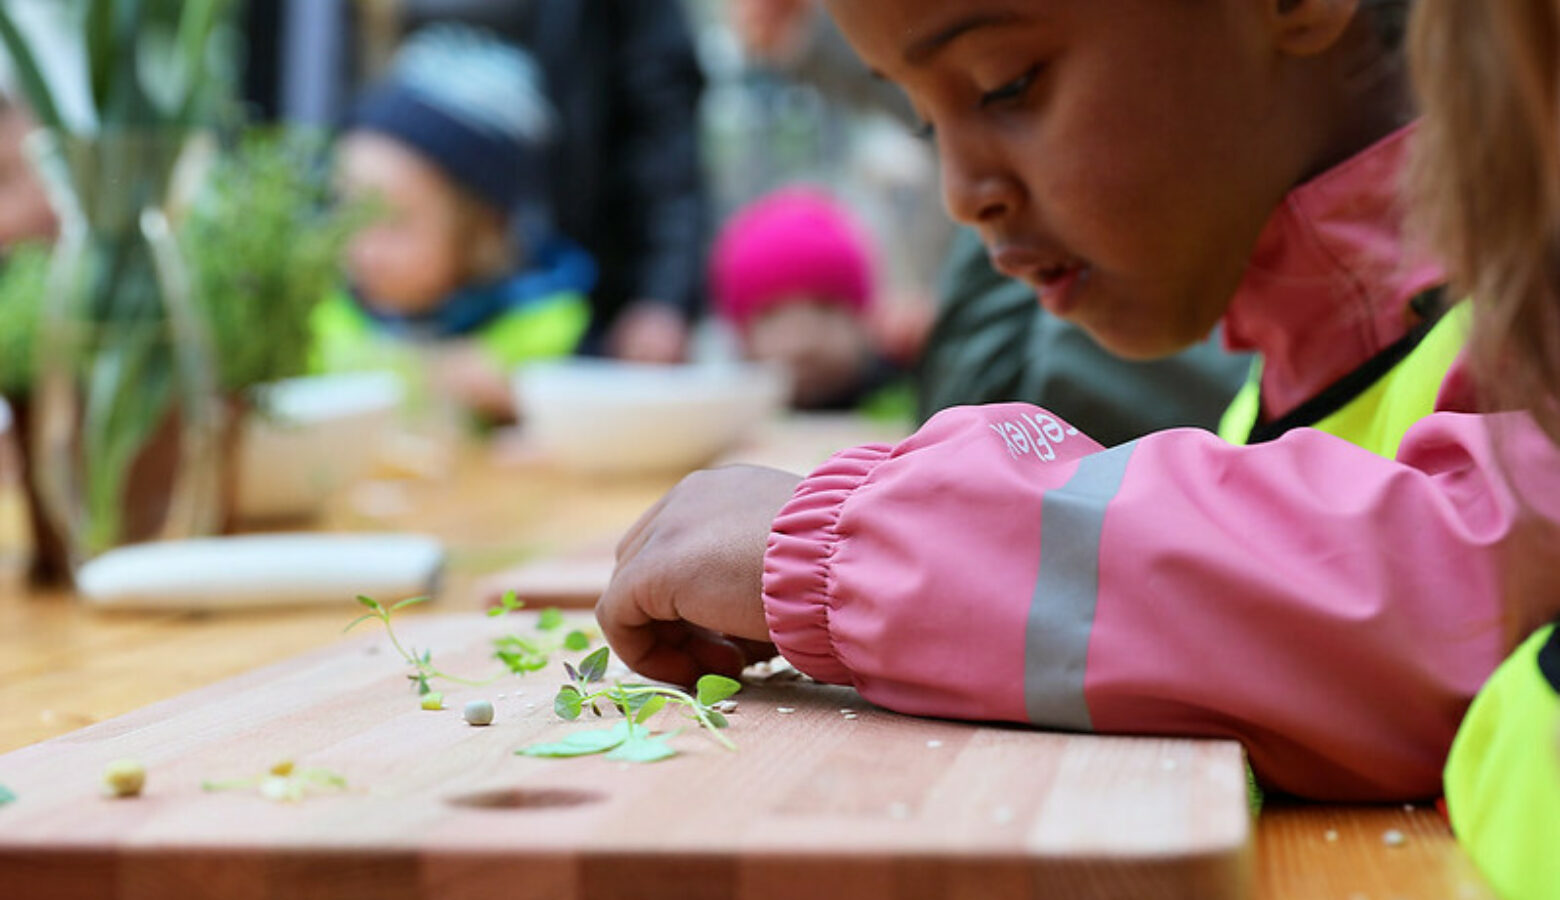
pixel 1311 27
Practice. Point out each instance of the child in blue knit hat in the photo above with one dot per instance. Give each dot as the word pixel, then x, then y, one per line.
pixel 448 151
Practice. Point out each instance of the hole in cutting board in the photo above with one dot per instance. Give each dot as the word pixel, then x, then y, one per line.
pixel 521 799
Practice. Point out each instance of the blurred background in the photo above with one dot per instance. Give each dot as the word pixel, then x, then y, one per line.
pixel 253 252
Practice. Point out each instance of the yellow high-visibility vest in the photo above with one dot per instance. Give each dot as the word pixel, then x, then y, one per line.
pixel 1372 407
pixel 1503 776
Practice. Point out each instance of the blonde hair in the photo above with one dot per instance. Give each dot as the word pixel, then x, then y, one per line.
pixel 1486 184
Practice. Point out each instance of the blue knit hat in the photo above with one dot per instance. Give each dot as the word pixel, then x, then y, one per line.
pixel 472 105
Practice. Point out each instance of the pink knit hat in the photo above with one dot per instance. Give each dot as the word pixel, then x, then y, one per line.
pixel 793 241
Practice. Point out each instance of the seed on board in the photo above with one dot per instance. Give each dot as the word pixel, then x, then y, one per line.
pixel 934 744
pixel 433 701
pixel 1393 838
pixel 125 778
pixel 478 712
pixel 785 709
pixel 725 707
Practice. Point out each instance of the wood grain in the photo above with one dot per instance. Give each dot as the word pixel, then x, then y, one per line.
pixel 879 806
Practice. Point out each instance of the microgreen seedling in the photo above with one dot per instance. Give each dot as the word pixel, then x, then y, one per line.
pixel 631 740
pixel 519 654
pixel 6 796
pixel 283 782
pixel 522 655
pixel 423 669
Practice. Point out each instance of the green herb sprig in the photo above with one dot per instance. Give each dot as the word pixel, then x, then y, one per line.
pixel 522 655
pixel 423 670
pixel 519 654
pixel 631 740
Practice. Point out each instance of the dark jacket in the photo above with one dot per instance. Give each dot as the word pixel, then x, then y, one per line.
pixel 625 176
pixel 992 343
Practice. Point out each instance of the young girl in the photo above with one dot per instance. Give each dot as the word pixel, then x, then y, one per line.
pixel 1325 594
pixel 1493 206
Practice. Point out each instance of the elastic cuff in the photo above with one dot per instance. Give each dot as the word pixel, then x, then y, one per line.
pixel 798 573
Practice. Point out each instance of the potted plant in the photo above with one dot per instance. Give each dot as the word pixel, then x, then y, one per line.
pixel 136 335
pixel 263 238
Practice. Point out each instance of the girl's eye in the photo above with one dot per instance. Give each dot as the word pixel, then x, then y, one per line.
pixel 1013 90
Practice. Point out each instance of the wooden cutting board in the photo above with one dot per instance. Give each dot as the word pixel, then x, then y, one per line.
pixel 813 804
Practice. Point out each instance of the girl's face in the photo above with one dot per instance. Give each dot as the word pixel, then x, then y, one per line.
pixel 413 254
pixel 1121 156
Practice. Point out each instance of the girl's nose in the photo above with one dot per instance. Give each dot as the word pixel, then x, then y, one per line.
pixel 977 191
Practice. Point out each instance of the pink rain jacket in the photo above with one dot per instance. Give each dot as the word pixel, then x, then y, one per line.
pixel 1333 610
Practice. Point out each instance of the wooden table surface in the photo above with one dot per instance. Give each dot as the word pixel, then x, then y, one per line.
pixel 63 667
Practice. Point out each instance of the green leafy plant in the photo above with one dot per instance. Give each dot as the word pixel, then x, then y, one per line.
pixel 122 355
pixel 283 782
pixel 6 796
pixel 264 238
pixel 423 670
pixel 149 63
pixel 23 275
pixel 519 654
pixel 631 740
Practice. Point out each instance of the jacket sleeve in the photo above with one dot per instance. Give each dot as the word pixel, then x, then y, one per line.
pixel 1333 610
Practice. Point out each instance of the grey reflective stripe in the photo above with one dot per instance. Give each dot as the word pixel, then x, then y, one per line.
pixel 1061 611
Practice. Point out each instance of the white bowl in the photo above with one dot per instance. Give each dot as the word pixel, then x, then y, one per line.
pixel 309 437
pixel 602 416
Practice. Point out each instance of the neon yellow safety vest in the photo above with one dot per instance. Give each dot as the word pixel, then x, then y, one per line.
pixel 1503 776
pixel 345 337
pixel 1374 406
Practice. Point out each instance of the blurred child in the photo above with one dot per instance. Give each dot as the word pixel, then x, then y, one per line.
pixel 449 149
pixel 1488 181
pixel 793 273
pixel 1320 586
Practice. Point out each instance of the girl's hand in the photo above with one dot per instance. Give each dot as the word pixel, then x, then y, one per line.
pixel 686 597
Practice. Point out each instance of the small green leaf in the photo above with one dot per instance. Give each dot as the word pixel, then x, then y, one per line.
pixel 714 688
pixel 580 743
pixel 717 719
pixel 643 748
pixel 650 707
pixel 369 602
pixel 511 602
pixel 495 611
pixel 433 701
pixel 410 601
pixel 567 703
pixel 550 619
pixel 358 621
pixel 594 667
pixel 574 674
pixel 576 640
pixel 6 796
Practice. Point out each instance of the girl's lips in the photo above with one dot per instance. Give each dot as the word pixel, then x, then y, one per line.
pixel 1056 279
pixel 1058 289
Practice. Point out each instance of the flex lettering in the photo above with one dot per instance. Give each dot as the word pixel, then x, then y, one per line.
pixel 1033 434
